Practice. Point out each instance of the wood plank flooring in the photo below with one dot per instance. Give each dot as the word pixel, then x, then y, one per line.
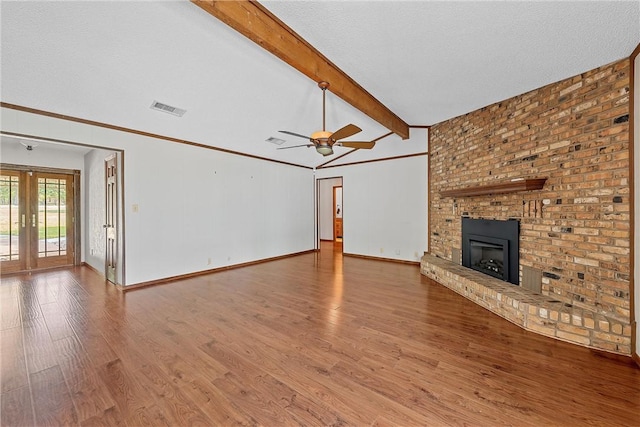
pixel 312 340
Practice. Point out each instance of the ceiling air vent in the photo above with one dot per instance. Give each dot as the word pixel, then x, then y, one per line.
pixel 274 140
pixel 167 109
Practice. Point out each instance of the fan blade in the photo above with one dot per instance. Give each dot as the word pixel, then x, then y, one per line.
pixel 366 145
pixel 294 134
pixel 295 146
pixel 345 132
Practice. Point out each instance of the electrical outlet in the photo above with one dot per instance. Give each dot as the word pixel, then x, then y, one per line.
pixel 208 261
pixel 381 250
pixel 134 208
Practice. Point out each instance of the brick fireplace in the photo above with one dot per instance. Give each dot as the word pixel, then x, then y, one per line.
pixel 574 231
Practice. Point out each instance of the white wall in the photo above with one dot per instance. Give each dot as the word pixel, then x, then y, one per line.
pixel 198 209
pixel 325 208
pixel 385 207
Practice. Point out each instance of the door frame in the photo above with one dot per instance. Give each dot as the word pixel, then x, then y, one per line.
pixel 320 203
pixel 77 222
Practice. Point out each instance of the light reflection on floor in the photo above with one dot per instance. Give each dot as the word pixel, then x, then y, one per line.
pixel 333 314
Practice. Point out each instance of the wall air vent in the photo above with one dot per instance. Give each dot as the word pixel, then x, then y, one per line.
pixel 274 140
pixel 167 109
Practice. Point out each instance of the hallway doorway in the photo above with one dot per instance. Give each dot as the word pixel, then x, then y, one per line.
pixel 337 213
pixel 330 212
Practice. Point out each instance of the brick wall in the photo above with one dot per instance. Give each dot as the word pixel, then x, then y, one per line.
pixel 576 230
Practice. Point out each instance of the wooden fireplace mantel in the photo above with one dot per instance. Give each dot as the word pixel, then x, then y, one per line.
pixel 501 187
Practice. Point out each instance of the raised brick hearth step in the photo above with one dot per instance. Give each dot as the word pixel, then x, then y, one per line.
pixel 538 313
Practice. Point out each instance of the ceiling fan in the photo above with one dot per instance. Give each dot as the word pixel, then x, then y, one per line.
pixel 323 140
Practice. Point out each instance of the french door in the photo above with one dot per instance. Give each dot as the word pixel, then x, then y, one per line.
pixel 37 219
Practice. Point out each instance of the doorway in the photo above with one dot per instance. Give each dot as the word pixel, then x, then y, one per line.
pixel 330 225
pixel 38 227
pixel 337 213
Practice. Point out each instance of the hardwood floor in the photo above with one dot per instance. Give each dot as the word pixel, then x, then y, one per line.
pixel 308 340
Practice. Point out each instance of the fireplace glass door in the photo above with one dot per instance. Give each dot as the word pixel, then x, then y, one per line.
pixel 491 247
pixel 488 255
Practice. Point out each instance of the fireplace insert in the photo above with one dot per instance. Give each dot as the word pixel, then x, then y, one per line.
pixel 491 247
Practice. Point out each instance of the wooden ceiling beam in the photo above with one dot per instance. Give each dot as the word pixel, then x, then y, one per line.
pixel 255 22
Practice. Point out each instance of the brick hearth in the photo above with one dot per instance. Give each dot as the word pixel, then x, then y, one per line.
pixel 534 312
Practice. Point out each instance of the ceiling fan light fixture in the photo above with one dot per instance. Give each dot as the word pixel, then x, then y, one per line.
pixel 325 150
pixel 322 142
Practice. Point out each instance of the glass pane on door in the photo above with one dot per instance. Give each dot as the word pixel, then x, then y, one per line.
pixel 9 218
pixel 52 217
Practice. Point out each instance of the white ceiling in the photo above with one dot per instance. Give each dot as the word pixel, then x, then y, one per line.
pixel 12 144
pixel 427 61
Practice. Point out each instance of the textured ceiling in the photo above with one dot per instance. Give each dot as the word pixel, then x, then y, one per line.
pixel 429 61
pixel 426 61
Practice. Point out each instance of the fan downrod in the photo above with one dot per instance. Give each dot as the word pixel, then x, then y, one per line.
pixel 323 85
